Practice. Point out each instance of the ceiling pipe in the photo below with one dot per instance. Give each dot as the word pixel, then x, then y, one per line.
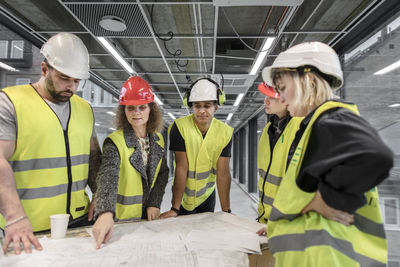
pixel 360 17
pixel 305 23
pixel 197 32
pixel 145 17
pixel 201 41
pixel 215 37
pixel 290 14
pixel 130 3
pixel 264 25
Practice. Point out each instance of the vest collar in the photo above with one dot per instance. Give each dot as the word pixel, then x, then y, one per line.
pixel 136 160
pixel 307 119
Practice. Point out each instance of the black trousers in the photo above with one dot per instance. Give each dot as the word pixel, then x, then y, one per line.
pixel 207 206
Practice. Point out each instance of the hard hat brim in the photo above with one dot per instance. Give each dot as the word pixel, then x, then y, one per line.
pixel 268 91
pixel 135 102
pixel 75 75
pixel 266 75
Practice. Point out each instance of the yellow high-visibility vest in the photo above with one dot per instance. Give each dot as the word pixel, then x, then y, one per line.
pixel 50 166
pixel 272 165
pixel 130 188
pixel 202 155
pixel 313 240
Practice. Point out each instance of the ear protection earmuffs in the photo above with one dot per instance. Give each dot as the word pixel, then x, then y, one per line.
pixel 221 97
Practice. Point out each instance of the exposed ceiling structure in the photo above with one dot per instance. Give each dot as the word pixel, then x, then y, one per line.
pixel 172 43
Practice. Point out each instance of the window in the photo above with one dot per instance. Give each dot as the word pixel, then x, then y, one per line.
pixel 17 49
pixel 390 211
pixel 3 49
pixel 21 81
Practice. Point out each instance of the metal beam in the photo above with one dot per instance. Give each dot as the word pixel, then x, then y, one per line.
pixel 155 58
pixel 201 40
pixel 168 73
pixel 137 3
pixel 159 49
pixel 17 25
pixel 307 20
pixel 357 20
pixel 215 38
pixel 292 11
pixel 200 36
pixel 234 57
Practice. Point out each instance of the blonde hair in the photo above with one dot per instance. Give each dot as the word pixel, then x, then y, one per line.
pixel 154 124
pixel 311 90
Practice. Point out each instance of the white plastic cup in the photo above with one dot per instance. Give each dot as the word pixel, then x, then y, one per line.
pixel 59 225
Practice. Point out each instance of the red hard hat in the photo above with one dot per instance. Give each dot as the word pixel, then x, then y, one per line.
pixel 268 90
pixel 135 91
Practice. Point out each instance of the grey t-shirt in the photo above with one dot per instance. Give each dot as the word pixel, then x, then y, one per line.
pixel 8 118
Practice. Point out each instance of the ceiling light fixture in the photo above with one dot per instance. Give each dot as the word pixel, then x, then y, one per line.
pixel 116 55
pixel 394 105
pixel 229 116
pixel 112 23
pixel 159 102
pixel 261 55
pixel 171 115
pixel 7 67
pixel 388 68
pixel 238 99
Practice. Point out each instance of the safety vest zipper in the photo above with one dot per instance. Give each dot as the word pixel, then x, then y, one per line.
pixel 68 154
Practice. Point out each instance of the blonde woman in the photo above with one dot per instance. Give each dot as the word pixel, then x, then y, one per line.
pixel 326 212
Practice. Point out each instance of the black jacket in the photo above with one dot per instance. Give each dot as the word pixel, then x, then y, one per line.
pixel 344 159
pixel 108 176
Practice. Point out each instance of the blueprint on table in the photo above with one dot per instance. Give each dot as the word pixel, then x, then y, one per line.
pixel 209 239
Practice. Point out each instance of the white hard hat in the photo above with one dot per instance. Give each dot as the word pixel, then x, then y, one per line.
pixel 203 90
pixel 316 54
pixel 66 53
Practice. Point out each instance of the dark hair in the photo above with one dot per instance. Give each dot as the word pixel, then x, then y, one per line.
pixel 154 124
pixel 48 64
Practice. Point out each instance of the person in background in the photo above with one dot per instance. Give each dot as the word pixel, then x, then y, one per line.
pixel 134 172
pixel 273 150
pixel 326 211
pixel 202 148
pixel 48 148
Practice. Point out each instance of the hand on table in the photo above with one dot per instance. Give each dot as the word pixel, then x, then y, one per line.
pixel 20 233
pixel 152 213
pixel 168 214
pixel 103 228
pixel 262 231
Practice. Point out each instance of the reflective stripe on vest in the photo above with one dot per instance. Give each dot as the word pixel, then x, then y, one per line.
pixel 47 163
pixel 276 168
pixel 202 155
pixel 50 167
pixel 294 237
pixel 130 187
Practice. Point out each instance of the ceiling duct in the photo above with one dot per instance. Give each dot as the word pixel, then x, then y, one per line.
pixel 234 83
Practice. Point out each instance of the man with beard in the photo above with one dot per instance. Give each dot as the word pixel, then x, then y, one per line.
pixel 47 143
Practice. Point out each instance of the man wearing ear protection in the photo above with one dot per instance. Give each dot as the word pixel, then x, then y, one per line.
pixel 202 148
